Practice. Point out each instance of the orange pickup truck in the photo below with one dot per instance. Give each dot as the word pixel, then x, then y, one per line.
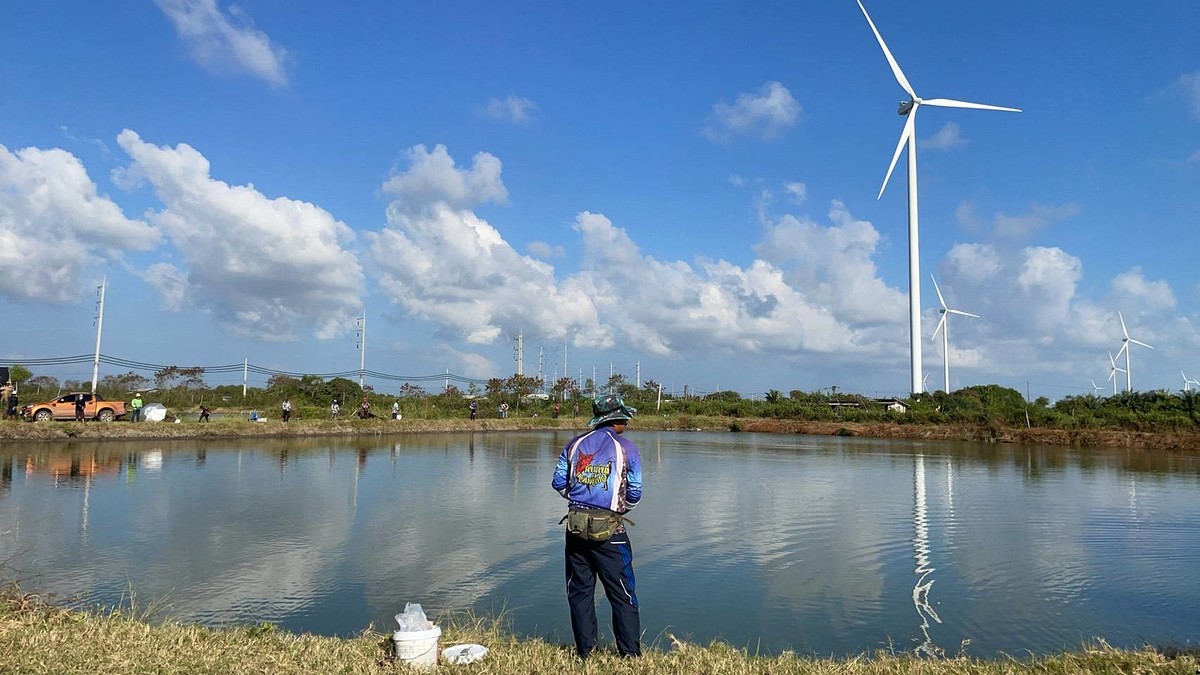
pixel 63 408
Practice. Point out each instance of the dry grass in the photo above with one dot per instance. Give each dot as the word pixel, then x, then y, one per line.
pixel 39 638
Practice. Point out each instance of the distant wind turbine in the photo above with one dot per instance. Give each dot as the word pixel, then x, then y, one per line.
pixel 1125 348
pixel 1094 387
pixel 1112 374
pixel 1187 384
pixel 944 326
pixel 908 138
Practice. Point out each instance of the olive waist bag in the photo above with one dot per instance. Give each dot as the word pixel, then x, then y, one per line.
pixel 594 524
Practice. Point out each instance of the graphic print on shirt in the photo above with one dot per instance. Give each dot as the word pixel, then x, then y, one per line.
pixel 590 474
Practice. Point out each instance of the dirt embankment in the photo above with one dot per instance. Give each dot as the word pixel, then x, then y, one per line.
pixel 234 428
pixel 1112 438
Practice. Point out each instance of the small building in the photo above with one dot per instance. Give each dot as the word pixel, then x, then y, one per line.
pixel 893 404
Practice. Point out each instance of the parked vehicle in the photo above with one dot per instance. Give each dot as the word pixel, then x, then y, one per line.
pixel 63 408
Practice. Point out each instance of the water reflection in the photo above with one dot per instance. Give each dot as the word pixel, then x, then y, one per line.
pixel 921 550
pixel 823 545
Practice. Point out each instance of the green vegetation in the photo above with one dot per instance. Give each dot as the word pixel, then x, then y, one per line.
pixel 39 638
pixel 183 390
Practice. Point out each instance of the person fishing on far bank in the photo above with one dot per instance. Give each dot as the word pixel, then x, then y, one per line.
pixel 600 475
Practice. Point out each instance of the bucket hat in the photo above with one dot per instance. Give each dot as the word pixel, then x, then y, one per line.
pixel 608 408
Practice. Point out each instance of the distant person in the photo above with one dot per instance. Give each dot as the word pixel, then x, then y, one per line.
pixel 575 409
pixel 503 410
pixel 7 390
pixel 203 413
pixel 364 409
pixel 556 410
pixel 474 408
pixel 287 410
pixel 335 408
pixel 12 401
pixel 599 473
pixel 254 415
pixel 79 408
pixel 396 409
pixel 136 406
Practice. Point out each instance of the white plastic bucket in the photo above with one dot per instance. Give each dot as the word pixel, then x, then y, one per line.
pixel 417 648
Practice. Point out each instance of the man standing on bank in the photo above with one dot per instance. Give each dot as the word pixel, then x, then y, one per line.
pixel 600 475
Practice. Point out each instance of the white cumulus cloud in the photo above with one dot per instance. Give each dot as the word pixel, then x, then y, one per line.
pixel 261 266
pixel 765 114
pixel 55 229
pixel 433 180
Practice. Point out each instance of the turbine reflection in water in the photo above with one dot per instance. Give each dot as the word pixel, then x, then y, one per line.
pixel 923 572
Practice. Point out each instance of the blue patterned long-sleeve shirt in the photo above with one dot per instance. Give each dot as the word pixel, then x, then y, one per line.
pixel 600 469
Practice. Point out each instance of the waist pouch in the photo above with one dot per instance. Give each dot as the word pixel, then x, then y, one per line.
pixel 594 524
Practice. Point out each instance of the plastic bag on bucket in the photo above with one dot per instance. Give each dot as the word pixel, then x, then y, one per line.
pixel 413 618
pixel 416 643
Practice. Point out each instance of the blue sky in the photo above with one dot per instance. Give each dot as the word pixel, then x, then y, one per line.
pixel 688 188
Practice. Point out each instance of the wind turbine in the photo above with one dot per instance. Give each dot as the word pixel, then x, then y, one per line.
pixel 1112 373
pixel 944 326
pixel 1187 384
pixel 1125 348
pixel 1094 387
pixel 909 137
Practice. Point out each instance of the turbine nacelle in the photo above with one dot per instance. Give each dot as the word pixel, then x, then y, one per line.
pixel 906 107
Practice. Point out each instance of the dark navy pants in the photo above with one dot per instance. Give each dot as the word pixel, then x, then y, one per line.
pixel 612 562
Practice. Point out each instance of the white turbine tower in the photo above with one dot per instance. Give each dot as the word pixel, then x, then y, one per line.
pixel 944 326
pixel 1112 373
pixel 1125 348
pixel 909 137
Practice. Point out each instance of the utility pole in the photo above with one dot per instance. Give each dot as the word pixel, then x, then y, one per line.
pixel 245 374
pixel 99 329
pixel 362 347
pixel 520 353
pixel 638 370
pixel 540 371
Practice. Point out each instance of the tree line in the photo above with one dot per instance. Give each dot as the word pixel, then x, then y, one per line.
pixel 183 388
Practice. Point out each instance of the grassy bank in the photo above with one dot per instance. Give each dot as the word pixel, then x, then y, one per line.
pixel 236 427
pixel 39 638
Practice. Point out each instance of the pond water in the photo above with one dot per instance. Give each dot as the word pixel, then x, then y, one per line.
pixel 824 545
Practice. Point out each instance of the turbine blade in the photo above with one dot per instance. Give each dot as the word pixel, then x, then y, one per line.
pixel 962 313
pixel 887 53
pixel 1113 361
pixel 908 131
pixel 1124 346
pixel 941 323
pixel 1123 325
pixel 951 103
pixel 939 291
pixel 1140 343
